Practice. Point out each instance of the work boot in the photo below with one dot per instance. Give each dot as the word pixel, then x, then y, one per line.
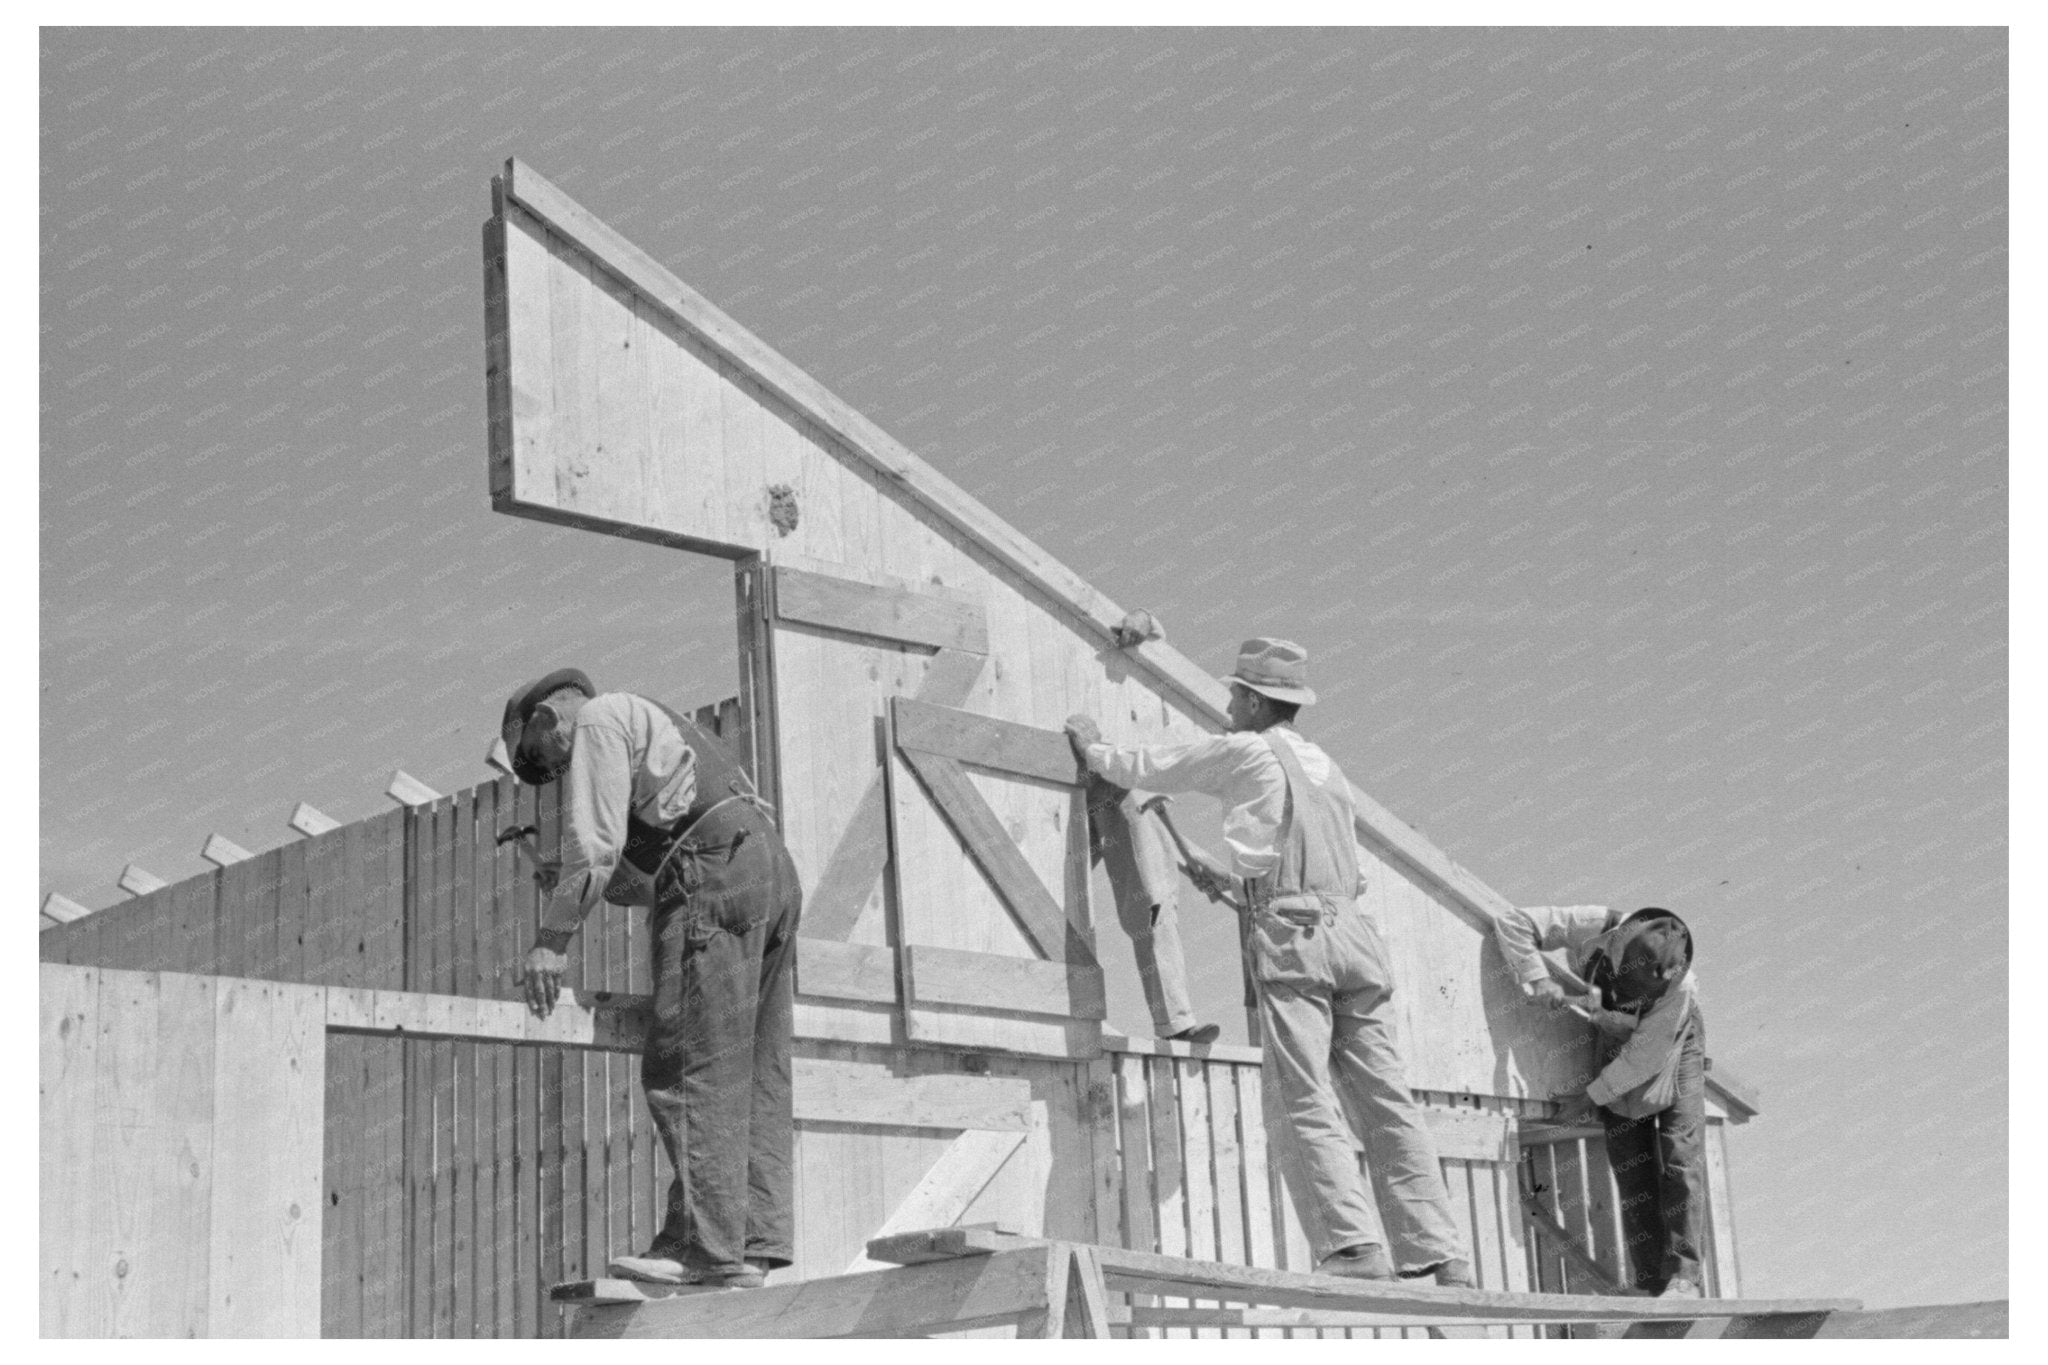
pixel 650 1268
pixel 1196 1033
pixel 1366 1261
pixel 656 1268
pixel 1682 1288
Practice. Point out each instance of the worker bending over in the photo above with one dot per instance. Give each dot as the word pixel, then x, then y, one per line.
pixel 1324 986
pixel 1632 977
pixel 656 812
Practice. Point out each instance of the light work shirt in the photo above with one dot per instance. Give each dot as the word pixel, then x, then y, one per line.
pixel 1238 769
pixel 625 757
pixel 1525 933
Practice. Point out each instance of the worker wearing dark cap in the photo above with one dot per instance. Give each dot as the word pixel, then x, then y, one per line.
pixel 1631 976
pixel 657 812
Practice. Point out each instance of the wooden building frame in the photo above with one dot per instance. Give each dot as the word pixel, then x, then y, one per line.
pixel 906 658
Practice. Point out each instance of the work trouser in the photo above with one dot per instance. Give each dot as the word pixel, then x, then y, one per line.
pixel 1660 1171
pixel 716 1066
pixel 1134 849
pixel 1326 1008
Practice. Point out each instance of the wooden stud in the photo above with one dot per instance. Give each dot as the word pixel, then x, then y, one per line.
pixel 221 851
pixel 61 909
pixel 137 881
pixel 309 820
pixel 408 790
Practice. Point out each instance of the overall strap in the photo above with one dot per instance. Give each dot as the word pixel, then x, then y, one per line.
pixel 1316 836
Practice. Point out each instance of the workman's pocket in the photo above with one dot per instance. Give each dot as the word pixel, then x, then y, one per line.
pixel 730 889
pixel 1285 954
pixel 737 912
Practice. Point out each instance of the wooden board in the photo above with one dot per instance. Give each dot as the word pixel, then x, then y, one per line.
pixel 182 1138
pixel 947 976
pixel 918 616
pixel 869 1094
pixel 1021 750
pixel 845 971
pixel 75 1256
pixel 1727 1270
pixel 269 1085
pixel 959 1295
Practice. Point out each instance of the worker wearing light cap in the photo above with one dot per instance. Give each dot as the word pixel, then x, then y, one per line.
pixel 1324 986
pixel 657 812
pixel 1632 976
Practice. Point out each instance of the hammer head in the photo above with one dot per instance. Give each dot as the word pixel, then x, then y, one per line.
pixel 511 832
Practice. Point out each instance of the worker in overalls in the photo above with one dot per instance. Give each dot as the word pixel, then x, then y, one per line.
pixel 1631 976
pixel 1325 990
pixel 657 812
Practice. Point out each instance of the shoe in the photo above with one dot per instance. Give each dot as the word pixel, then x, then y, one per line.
pixel 1682 1288
pixel 1457 1272
pixel 1366 1261
pixel 652 1268
pixel 1197 1033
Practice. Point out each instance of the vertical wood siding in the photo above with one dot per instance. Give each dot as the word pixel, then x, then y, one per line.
pixel 1198 1178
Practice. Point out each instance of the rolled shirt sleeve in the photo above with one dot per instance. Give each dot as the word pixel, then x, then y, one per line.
pixel 1203 764
pixel 596 797
pixel 1525 933
pixel 1237 769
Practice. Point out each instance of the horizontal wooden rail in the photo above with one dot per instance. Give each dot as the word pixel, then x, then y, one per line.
pixel 1141 1272
pixel 918 616
pixel 1006 746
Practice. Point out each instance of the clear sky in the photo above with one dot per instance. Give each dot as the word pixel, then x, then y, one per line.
pixel 1618 417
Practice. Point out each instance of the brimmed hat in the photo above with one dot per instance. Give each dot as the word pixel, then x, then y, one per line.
pixel 1274 668
pixel 1647 953
pixel 511 750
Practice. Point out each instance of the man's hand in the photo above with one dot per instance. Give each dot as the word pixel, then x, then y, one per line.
pixel 1613 1023
pixel 1550 995
pixel 1082 731
pixel 546 961
pixel 1217 886
pixel 546 875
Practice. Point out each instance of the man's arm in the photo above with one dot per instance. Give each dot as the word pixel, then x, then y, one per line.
pixel 1648 1049
pixel 1203 764
pixel 1524 933
pixel 596 797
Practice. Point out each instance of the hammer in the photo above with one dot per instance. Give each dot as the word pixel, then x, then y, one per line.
pixel 1189 863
